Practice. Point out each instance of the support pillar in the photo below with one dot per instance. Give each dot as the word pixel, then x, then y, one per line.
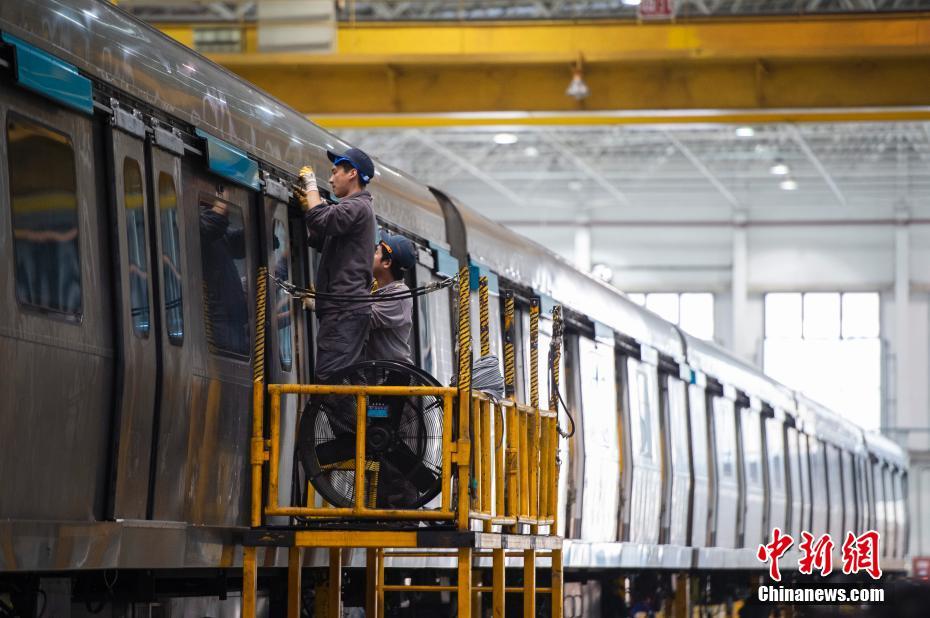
pixel 902 298
pixel 583 248
pixel 293 582
pixel 463 595
pixel 249 581
pixel 334 588
pixel 742 346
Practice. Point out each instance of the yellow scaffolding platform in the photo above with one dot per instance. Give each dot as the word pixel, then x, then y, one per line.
pixel 504 485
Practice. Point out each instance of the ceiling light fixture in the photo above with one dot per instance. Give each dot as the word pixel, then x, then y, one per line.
pixel 506 138
pixel 577 88
pixel 779 168
pixel 631 2
pixel 745 132
pixel 788 184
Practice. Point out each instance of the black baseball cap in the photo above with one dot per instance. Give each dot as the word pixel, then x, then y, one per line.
pixel 400 249
pixel 357 159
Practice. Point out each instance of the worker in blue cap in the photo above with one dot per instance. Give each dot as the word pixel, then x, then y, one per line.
pixel 391 320
pixel 343 232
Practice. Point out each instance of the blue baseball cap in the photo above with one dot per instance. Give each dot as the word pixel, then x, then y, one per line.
pixel 400 249
pixel 357 159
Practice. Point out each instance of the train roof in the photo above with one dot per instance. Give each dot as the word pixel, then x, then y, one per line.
pixel 712 360
pixel 829 426
pixel 111 45
pixel 886 449
pixel 524 261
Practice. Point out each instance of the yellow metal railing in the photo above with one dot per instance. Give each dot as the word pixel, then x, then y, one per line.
pixel 500 459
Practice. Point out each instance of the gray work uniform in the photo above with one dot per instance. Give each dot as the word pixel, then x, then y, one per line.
pixel 391 321
pixel 345 234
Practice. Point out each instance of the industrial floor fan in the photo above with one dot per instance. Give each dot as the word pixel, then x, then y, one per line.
pixel 403 447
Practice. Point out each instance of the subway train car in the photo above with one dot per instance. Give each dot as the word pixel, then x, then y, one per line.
pixel 125 394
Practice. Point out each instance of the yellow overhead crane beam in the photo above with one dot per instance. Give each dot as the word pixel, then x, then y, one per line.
pixel 841 68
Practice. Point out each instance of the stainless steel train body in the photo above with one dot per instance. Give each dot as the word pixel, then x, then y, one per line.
pixel 124 418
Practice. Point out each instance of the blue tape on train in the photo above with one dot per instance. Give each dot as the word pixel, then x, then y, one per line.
pixel 41 72
pixel 230 162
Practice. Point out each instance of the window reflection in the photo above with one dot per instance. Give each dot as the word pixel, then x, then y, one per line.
pixel 171 258
pixel 222 250
pixel 134 208
pixel 47 261
pixel 282 270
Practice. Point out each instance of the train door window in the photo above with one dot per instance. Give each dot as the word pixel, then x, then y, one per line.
pixel 281 245
pixel 171 258
pixel 435 325
pixel 134 203
pixel 47 262
pixel 836 489
pixel 752 447
pixel 222 250
pixel 725 440
pixel 820 499
pixel 806 503
pixel 890 518
pixel 775 446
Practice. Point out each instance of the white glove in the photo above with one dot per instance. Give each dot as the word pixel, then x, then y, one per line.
pixel 308 179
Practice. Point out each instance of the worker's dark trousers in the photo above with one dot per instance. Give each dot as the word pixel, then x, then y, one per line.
pixel 340 340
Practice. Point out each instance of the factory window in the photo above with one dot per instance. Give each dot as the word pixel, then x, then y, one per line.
pixel 827 345
pixel 218 40
pixel 693 312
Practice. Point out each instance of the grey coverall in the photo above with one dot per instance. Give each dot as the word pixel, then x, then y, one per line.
pixel 391 321
pixel 345 234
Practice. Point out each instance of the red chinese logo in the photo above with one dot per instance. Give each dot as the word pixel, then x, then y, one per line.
pixel 861 554
pixel 775 550
pixel 819 554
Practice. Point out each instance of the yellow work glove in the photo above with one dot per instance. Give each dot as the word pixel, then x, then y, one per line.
pixel 307 184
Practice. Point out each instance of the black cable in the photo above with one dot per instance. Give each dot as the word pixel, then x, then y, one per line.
pixel 367 298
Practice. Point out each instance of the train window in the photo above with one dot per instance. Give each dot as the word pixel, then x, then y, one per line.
pixel 698 411
pixel 136 254
pixel 752 446
pixel 282 270
pixel 435 327
pixel 47 259
pixel 725 438
pixel 644 420
pixel 222 251
pixel 775 445
pixel 171 258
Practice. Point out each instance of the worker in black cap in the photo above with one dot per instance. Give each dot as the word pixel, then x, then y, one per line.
pixel 391 320
pixel 344 233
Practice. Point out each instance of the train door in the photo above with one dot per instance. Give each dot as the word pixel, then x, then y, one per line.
pixel 793 455
pixel 601 482
pixel 137 370
pixel 676 467
pixel 642 463
pixel 56 333
pixel 200 448
pixel 702 464
pixel 777 476
pixel 726 473
pixel 753 474
pixel 573 468
pixel 176 288
pixel 281 361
